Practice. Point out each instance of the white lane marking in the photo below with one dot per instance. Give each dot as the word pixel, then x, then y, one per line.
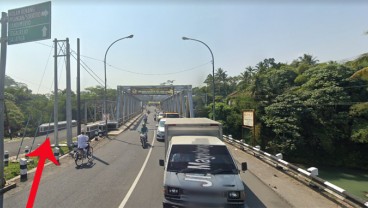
pixel 125 200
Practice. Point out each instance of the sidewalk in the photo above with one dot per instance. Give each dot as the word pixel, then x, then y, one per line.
pixel 294 192
pixel 124 126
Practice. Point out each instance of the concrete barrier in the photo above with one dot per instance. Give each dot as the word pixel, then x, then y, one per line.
pixel 311 174
pixel 56 153
pixel 23 169
pixel 6 158
pixel 26 151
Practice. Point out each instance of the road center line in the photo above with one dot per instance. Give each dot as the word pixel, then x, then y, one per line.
pixel 125 200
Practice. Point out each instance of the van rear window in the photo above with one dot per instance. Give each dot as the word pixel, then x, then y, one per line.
pixel 211 159
pixel 173 115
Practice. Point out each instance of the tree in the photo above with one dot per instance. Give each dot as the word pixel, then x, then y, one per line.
pixel 221 82
pixel 359 113
pixel 306 59
pixel 245 78
pixel 284 119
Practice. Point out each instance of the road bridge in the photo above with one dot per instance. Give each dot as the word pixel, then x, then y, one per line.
pixel 123 174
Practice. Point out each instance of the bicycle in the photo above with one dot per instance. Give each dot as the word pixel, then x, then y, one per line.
pixel 80 155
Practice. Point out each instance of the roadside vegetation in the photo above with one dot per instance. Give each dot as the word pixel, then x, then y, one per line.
pixel 13 169
pixel 314 113
pixel 22 107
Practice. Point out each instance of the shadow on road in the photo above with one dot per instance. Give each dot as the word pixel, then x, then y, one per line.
pixel 86 165
pixel 126 142
pixel 100 160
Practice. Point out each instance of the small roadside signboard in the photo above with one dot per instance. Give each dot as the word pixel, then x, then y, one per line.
pixel 248 118
pixel 30 23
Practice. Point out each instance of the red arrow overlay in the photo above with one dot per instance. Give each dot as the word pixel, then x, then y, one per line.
pixel 43 152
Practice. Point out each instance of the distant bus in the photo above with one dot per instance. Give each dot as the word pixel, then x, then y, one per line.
pixel 49 127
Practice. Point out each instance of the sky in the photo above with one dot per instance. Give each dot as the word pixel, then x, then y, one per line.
pixel 239 33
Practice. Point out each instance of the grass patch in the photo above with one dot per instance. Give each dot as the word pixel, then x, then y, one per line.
pixel 64 150
pixel 13 169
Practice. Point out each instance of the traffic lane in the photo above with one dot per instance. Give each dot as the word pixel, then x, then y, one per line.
pixel 148 191
pixel 13 146
pixel 104 184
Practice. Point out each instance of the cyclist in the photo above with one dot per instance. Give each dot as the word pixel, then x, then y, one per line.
pixel 83 141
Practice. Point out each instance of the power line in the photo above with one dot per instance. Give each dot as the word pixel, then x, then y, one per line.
pixel 160 74
pixel 89 68
pixel 44 71
pixel 149 74
pixel 85 68
pixel 44 44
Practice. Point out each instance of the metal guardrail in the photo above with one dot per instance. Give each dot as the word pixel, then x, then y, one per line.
pixel 328 187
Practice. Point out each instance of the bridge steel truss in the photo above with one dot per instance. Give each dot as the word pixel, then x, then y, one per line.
pixel 181 101
pixel 172 98
pixel 93 110
pixel 127 106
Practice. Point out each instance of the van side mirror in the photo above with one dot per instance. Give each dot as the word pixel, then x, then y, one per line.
pixel 161 162
pixel 244 166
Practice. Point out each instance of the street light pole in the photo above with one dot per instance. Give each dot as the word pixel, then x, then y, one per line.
pixel 105 92
pixel 213 75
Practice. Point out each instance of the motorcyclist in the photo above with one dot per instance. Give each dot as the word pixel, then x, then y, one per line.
pixel 83 141
pixel 144 131
pixel 145 118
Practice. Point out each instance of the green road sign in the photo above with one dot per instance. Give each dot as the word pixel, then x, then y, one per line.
pixel 29 23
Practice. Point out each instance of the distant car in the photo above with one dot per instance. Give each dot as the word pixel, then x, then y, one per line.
pixel 160 115
pixel 171 115
pixel 160 133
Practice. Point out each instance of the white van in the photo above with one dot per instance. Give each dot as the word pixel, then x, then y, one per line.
pixel 200 172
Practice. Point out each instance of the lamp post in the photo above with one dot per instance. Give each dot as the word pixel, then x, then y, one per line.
pixel 213 74
pixel 130 36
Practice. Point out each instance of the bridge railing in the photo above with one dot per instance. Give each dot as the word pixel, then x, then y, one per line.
pixel 311 176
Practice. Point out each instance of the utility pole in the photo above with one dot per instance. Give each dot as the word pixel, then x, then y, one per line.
pixel 4 44
pixel 56 100
pixel 78 89
pixel 66 52
pixel 68 97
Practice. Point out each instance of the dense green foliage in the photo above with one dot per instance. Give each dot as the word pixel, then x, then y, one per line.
pixel 306 110
pixel 22 106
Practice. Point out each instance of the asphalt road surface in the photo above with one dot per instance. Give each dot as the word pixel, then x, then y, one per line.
pixel 119 178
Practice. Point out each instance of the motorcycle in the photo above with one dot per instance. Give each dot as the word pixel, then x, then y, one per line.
pixel 143 138
pixel 145 120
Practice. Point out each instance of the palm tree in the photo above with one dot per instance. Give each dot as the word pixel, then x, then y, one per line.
pixel 221 76
pixel 308 59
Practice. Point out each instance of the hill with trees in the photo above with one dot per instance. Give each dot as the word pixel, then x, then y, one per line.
pixel 306 110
